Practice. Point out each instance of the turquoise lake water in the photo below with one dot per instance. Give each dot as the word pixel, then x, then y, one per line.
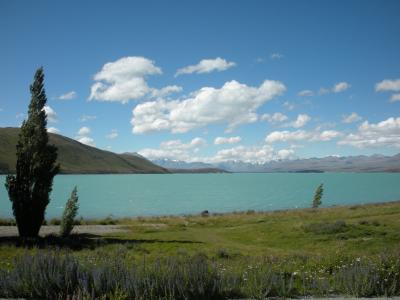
pixel 143 195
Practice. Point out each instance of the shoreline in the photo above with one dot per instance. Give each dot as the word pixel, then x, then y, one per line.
pixel 111 221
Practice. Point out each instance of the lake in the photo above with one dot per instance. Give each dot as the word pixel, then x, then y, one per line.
pixel 144 195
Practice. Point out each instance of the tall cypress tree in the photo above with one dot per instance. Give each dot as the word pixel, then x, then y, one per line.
pixel 318 196
pixel 30 188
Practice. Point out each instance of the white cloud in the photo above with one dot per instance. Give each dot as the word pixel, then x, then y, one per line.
pixel 83 137
pixel 86 140
pixel 124 80
pixel 177 150
pixel 174 149
pixel 84 131
pixel 227 140
pixel 85 118
pixel 206 66
pixel 353 117
pixel 67 96
pixel 383 134
pixel 323 91
pixel 250 154
pixel 53 130
pixel 340 87
pixel 301 135
pixel 276 56
pixel 388 85
pixel 50 113
pixel 306 93
pixel 165 91
pixel 395 98
pixel 234 103
pixel 288 105
pixel 285 153
pixel 302 119
pixel 113 134
pixel 337 88
pixel 20 116
pixel 274 118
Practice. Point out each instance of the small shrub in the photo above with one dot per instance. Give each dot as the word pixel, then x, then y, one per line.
pixel 318 196
pixel 205 213
pixel 223 253
pixel 54 221
pixel 327 228
pixel 108 221
pixel 7 222
pixel 70 211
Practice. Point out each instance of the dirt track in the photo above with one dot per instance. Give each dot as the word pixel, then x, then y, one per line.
pixel 7 231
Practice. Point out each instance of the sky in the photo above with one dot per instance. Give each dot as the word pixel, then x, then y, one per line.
pixel 209 80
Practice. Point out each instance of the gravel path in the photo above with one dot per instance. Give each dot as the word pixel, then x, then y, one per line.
pixel 8 231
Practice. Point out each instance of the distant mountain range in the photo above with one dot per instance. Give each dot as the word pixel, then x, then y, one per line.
pixel 77 158
pixel 361 163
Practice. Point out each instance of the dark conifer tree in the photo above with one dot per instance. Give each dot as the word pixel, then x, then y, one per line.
pixel 318 196
pixel 29 189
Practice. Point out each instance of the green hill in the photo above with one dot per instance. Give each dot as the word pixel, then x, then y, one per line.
pixel 77 158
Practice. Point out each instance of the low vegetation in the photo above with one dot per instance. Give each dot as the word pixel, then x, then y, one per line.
pixel 330 251
pixel 69 214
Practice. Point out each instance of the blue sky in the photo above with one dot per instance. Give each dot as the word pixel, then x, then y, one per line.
pixel 209 80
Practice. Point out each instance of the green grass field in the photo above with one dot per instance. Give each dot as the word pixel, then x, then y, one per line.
pixel 355 230
pixel 328 251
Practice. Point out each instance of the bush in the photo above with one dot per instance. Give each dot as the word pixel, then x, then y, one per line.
pixel 327 228
pixel 69 214
pixel 318 196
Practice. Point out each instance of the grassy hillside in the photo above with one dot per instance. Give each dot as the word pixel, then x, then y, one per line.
pixel 75 157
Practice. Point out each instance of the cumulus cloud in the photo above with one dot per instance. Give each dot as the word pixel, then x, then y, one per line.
pixel 353 117
pixel 112 135
pixel 125 79
pixel 388 85
pixel 302 120
pixel 234 103
pixel 174 149
pixel 50 113
pixel 84 131
pixel 206 66
pixel 285 153
pixel 306 93
pixel 83 137
pixel 53 130
pixel 67 96
pixel 340 87
pixel 337 88
pixel 86 140
pixel 382 134
pixel 301 135
pixel 274 118
pixel 165 91
pixel 250 154
pixel 227 140
pixel 395 98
